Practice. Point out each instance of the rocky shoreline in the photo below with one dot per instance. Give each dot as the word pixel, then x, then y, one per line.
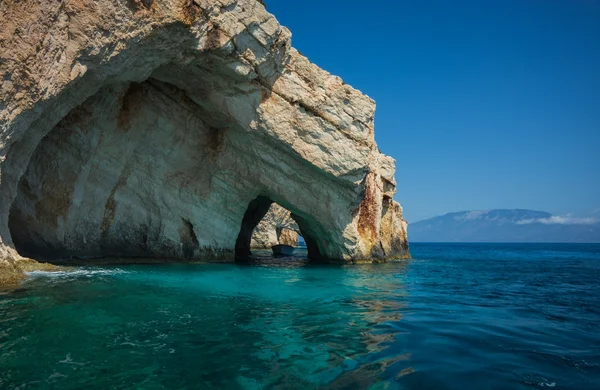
pixel 13 272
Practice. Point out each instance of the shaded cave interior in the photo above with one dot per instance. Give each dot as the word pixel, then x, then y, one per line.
pixel 101 185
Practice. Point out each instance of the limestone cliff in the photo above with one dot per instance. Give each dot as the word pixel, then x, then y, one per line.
pixel 276 227
pixel 140 128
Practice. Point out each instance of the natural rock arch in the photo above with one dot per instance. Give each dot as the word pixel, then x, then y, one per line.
pixel 146 128
pixel 315 235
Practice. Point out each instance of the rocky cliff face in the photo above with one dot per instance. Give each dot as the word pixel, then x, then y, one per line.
pixel 140 128
pixel 276 227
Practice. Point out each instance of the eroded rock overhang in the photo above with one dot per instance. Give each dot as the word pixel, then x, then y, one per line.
pixel 139 128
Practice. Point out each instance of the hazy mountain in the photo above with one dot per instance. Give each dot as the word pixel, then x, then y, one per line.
pixel 504 226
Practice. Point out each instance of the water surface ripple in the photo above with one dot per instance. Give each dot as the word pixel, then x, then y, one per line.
pixel 457 316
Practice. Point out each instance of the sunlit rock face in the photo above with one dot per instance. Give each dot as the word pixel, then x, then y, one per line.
pixel 166 129
pixel 276 227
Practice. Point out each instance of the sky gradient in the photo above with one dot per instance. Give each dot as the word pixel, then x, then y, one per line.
pixel 483 103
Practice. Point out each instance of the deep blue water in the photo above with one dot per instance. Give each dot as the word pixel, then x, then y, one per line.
pixel 456 316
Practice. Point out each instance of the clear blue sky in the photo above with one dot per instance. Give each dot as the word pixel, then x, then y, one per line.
pixel 483 103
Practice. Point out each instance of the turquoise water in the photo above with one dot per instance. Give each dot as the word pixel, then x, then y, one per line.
pixel 471 316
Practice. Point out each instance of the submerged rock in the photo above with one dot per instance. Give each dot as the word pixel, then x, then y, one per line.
pixel 166 129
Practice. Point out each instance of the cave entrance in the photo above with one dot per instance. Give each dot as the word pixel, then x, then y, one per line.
pixel 267 224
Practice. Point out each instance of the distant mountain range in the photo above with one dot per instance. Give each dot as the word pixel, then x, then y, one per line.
pixel 505 226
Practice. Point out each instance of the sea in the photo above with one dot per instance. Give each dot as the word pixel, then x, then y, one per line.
pixel 455 316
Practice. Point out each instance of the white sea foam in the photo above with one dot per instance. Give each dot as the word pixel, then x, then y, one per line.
pixel 76 272
pixel 68 360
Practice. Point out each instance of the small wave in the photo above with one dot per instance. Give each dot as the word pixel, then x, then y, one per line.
pixel 75 272
pixel 69 360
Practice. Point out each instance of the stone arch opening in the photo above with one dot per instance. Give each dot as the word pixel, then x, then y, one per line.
pixel 152 169
pixel 274 220
pixel 149 170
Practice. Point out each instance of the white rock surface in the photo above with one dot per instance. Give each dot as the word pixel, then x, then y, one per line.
pixel 165 129
pixel 277 227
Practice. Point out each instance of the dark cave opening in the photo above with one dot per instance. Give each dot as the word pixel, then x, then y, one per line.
pixel 257 210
